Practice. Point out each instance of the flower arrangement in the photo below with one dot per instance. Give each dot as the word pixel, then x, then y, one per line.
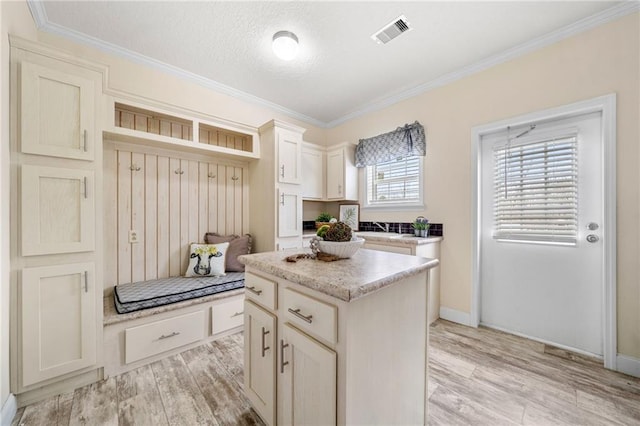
pixel 421 227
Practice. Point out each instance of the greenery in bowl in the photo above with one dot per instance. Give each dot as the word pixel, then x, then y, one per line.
pixel 324 217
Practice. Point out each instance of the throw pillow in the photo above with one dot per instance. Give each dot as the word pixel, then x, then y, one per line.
pixel 206 260
pixel 238 245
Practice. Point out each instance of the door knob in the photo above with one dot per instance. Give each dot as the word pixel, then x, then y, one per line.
pixel 592 238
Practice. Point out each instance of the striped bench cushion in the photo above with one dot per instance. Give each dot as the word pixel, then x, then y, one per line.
pixel 150 294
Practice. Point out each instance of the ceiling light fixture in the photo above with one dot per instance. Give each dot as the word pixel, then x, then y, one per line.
pixel 285 45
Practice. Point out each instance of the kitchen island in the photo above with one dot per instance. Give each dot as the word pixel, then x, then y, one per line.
pixel 341 342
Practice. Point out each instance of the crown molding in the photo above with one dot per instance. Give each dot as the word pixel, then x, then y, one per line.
pixel 40 17
pixel 582 25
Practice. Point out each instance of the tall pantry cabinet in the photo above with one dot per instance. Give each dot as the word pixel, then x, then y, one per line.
pixel 275 182
pixel 56 174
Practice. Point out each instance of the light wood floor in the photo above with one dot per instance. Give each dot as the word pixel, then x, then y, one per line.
pixel 477 377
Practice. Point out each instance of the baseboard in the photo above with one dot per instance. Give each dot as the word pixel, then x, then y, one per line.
pixel 9 410
pixel 453 315
pixel 628 365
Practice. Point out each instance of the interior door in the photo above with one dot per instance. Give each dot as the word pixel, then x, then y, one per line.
pixel 547 287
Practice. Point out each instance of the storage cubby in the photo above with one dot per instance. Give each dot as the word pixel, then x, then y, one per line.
pixel 217 136
pixel 135 123
pixel 142 120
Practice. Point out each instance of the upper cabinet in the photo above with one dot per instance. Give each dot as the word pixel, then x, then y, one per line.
pixel 334 166
pixel 289 157
pixel 57 113
pixel 312 172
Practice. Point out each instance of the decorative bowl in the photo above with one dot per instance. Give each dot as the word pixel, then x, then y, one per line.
pixel 343 250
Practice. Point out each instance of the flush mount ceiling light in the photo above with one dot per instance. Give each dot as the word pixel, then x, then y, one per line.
pixel 285 45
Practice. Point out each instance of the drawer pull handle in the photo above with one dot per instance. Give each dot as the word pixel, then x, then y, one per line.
pixel 297 313
pixel 263 347
pixel 254 291
pixel 237 314
pixel 84 140
pixel 175 333
pixel 282 361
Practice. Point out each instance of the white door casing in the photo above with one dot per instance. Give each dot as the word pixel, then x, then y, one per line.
pixel 558 305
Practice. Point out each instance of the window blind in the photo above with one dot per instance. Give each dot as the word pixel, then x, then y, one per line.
pixel 394 182
pixel 536 191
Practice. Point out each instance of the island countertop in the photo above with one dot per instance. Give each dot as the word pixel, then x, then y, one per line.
pixel 346 279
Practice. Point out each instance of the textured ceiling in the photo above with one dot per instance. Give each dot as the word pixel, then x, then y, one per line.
pixel 340 70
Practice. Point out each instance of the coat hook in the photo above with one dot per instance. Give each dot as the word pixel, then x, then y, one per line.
pixel 134 167
pixel 235 178
pixel 211 175
pixel 179 172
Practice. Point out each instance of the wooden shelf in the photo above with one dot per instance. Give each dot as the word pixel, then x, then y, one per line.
pixel 139 125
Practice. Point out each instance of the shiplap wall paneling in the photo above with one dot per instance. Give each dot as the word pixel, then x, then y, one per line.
pixel 171 202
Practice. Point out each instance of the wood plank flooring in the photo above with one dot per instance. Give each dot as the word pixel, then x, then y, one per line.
pixel 477 377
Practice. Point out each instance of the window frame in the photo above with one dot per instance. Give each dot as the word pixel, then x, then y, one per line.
pixel 395 206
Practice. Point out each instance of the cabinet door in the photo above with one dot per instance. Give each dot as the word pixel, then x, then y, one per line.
pixel 58 319
pixel 335 174
pixel 307 380
pixel 260 360
pixel 58 210
pixel 312 173
pixel 289 214
pixel 289 157
pixel 56 113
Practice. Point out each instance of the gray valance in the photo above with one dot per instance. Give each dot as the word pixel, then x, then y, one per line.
pixel 406 141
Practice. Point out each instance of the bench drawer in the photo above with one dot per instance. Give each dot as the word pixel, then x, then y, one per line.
pixel 260 290
pixel 160 336
pixel 313 316
pixel 227 315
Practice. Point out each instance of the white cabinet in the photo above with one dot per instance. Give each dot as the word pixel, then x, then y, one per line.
pixel 276 215
pixel 342 175
pixel 335 360
pixel 57 113
pixel 313 172
pixel 289 156
pixel 307 383
pixel 58 210
pixel 57 313
pixel 289 214
pixel 260 360
pixel 431 250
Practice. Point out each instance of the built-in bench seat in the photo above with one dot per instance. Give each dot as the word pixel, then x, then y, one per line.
pixel 147 333
pixel 150 294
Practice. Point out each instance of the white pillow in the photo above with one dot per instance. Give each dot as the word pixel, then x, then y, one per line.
pixel 206 260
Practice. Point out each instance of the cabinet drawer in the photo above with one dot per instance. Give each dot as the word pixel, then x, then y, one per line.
pixel 313 316
pixel 160 336
pixel 260 290
pixel 389 248
pixel 227 315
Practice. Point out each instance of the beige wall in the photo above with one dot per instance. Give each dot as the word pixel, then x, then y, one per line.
pixel 597 62
pixel 601 61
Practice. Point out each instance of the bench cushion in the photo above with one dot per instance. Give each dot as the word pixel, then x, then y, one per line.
pixel 149 294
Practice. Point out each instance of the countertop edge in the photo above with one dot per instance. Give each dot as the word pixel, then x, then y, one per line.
pixel 330 289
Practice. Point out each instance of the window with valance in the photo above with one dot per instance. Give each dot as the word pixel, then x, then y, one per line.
pixel 393 167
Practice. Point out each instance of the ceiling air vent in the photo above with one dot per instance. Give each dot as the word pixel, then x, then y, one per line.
pixel 391 30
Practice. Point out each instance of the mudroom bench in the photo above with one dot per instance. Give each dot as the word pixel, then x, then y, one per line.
pixel 143 336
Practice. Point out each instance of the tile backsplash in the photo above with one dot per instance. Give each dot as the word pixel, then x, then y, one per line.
pixel 435 230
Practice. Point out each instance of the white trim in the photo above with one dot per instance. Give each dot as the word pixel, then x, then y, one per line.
pixel 628 365
pixel 455 316
pixel 9 410
pixel 42 22
pixel 607 106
